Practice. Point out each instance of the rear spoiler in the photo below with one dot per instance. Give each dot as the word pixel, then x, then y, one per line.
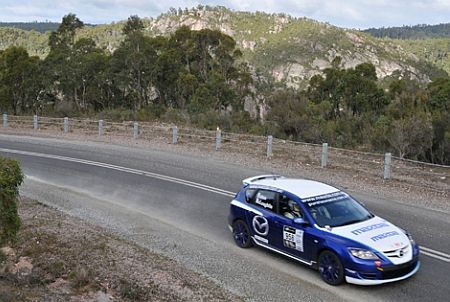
pixel 249 180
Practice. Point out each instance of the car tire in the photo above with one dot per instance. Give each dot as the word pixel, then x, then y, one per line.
pixel 331 269
pixel 241 234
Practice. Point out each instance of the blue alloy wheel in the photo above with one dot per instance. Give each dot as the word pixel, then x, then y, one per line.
pixel 330 268
pixel 241 234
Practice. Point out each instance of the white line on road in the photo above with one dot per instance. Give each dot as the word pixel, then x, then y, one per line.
pixel 436 252
pixel 425 251
pixel 434 256
pixel 124 169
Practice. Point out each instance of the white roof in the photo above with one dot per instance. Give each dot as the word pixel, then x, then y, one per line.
pixel 301 187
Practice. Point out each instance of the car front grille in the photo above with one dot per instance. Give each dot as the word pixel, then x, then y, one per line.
pixel 399 270
pixel 398 253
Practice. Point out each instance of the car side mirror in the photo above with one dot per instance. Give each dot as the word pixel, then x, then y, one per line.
pixel 300 221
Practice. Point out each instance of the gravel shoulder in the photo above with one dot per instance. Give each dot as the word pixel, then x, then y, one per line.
pixel 59 257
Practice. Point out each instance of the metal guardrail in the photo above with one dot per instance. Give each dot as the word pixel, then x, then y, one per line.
pixel 414 173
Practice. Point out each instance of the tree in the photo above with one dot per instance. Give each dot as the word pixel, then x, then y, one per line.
pixel 439 91
pixel 64 37
pixel 360 91
pixel 411 136
pixel 329 88
pixel 61 66
pixel 133 65
pixel 17 78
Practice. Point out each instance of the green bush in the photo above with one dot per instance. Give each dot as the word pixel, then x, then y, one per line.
pixel 10 179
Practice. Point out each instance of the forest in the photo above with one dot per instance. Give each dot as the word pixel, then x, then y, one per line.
pixel 41 27
pixel 421 31
pixel 199 78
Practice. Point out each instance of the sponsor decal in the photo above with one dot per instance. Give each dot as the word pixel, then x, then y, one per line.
pixel 384 235
pixel 326 198
pixel 260 225
pixel 370 228
pixel 264 204
pixel 259 238
pixel 293 238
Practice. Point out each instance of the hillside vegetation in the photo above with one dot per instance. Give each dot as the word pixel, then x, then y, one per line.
pixel 199 77
pixel 430 43
pixel 286 48
pixel 41 27
pixel 420 31
pixel 188 74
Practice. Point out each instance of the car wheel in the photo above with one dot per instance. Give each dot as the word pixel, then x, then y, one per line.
pixel 330 268
pixel 241 234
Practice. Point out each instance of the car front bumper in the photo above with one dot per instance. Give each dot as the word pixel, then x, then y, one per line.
pixel 392 275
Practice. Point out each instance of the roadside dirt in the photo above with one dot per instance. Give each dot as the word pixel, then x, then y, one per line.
pixel 58 257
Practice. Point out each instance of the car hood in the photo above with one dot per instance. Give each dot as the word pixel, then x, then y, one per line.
pixel 378 234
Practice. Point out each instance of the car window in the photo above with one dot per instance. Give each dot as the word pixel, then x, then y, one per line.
pixel 265 199
pixel 288 207
pixel 338 211
pixel 249 194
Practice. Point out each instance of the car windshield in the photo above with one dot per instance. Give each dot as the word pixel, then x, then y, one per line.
pixel 337 209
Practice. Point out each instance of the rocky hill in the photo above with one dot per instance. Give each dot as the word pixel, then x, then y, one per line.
pixel 290 49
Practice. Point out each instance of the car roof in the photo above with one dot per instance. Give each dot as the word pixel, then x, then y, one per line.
pixel 303 188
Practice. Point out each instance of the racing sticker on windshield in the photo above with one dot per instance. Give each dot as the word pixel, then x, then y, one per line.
pixel 293 238
pixel 326 198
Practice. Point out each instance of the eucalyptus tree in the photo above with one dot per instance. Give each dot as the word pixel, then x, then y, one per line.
pixel 133 65
pixel 18 80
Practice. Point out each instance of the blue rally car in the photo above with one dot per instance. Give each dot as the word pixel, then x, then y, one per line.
pixel 322 227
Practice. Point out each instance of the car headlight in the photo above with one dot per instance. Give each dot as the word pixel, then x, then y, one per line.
pixel 411 240
pixel 363 254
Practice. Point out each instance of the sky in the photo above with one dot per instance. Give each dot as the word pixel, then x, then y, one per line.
pixel 359 14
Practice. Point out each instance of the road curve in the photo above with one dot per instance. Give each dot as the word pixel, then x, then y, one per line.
pixel 188 196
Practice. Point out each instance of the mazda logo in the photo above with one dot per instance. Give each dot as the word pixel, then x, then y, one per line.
pixel 260 225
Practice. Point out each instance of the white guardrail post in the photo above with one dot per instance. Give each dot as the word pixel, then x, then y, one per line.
pixel 5 120
pixel 100 127
pixel 324 161
pixel 387 165
pixel 66 125
pixel 175 135
pixel 269 146
pixel 35 122
pixel 218 138
pixel 136 130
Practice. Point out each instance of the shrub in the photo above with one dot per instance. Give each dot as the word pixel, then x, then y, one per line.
pixel 10 179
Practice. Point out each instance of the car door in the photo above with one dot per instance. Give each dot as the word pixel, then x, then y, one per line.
pixel 262 224
pixel 295 239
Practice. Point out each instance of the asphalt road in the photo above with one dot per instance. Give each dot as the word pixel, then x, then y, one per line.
pixel 187 221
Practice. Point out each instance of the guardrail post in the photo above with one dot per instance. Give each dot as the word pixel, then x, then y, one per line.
pixel 5 120
pixel 218 138
pixel 387 165
pixel 269 145
pixel 174 135
pixel 35 122
pixel 136 130
pixel 100 127
pixel 66 125
pixel 324 160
